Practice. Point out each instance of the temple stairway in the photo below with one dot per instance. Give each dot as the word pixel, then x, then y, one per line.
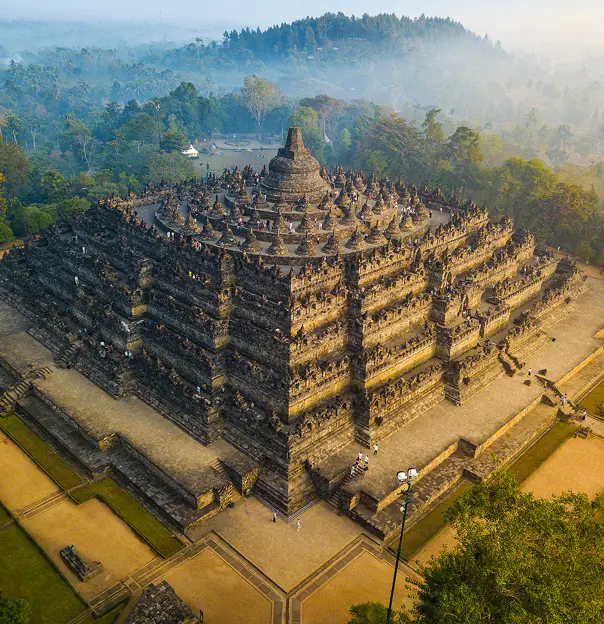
pixel 334 499
pixel 15 393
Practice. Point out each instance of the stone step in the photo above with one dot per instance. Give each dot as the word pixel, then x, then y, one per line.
pixel 335 497
pixel 110 598
pixel 156 490
pixel 62 434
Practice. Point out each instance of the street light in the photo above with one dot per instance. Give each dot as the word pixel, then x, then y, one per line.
pixel 402 477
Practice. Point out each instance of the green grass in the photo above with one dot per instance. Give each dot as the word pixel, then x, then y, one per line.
pixel 40 452
pixel 133 513
pixel 593 399
pixel 430 525
pixel 529 461
pixel 4 515
pixel 26 573
pixel 123 504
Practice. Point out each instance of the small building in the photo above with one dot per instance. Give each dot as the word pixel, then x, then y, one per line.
pixel 190 152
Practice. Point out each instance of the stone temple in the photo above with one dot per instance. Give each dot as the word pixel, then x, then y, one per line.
pixel 286 324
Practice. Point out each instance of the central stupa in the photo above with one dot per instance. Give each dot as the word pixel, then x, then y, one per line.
pixel 294 173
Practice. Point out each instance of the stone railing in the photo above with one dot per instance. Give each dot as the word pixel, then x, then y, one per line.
pixel 391 290
pixel 399 316
pixel 382 358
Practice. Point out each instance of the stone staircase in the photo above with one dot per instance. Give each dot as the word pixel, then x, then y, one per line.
pixel 219 467
pixel 15 393
pixel 509 365
pixel 335 497
pixel 63 435
pixel 162 498
pixel 67 354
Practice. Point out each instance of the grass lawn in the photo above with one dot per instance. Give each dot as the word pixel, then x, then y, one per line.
pixel 4 515
pixel 593 399
pixel 428 526
pixel 26 573
pixel 40 452
pixel 529 461
pixel 133 513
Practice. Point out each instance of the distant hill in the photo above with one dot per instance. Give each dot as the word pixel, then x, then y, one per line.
pixel 330 30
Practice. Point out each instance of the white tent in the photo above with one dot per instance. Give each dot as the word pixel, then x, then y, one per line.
pixel 190 152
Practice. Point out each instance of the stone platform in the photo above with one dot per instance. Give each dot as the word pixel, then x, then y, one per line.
pixel 447 443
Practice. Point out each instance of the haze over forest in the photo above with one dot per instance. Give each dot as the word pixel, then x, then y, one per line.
pixel 115 97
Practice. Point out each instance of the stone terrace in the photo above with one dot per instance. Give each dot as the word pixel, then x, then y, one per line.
pixel 437 432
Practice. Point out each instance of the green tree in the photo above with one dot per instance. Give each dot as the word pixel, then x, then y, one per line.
pixel 6 232
pixel 308 121
pixel 518 559
pixel 434 137
pixel 168 167
pixel 173 141
pixel 369 613
pixel 516 188
pixel 393 146
pixel 260 96
pixel 344 146
pixel 14 611
pixel 325 107
pixel 53 186
pixel 463 151
pixel 15 167
pixel 140 130
pixel 14 125
pixel 67 208
pixel 78 138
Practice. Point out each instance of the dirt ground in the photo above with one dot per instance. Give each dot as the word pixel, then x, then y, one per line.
pixel 97 534
pixel 578 465
pixel 445 538
pixel 366 578
pixel 207 583
pixel 21 481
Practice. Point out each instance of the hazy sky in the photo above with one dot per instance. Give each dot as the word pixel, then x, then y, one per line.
pixel 521 24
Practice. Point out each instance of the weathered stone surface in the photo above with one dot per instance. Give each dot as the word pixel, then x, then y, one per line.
pixel 276 337
pixel 294 173
pixel 159 604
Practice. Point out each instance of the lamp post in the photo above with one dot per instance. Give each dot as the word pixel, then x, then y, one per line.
pixel 402 477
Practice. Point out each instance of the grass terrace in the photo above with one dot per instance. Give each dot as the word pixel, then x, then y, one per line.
pixel 60 472
pixel 25 572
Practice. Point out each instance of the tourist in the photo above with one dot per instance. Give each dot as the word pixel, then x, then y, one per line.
pixel 563 400
pixel 76 279
pixel 352 469
pixel 376 448
pixel 298 524
pixel 360 456
pixel 366 466
pixel 274 517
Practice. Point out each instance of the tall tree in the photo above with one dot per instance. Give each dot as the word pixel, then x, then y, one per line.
pixel 518 559
pixel 14 125
pixel 434 136
pixel 260 96
pixel 325 106
pixel 463 151
pixel 15 167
